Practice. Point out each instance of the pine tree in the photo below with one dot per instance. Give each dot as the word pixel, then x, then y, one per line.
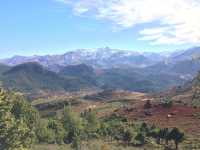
pixel 73 125
pixel 92 124
pixel 176 136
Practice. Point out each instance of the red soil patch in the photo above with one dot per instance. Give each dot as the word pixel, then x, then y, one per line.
pixel 183 117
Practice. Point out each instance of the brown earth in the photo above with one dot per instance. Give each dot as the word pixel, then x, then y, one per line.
pixel 184 117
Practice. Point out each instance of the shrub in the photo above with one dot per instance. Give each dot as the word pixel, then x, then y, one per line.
pixel 166 103
pixel 140 139
pixel 147 105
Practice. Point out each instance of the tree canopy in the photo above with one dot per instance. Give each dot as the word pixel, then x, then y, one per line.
pixel 17 122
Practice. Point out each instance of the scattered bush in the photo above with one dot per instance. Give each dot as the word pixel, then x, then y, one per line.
pixel 166 103
pixel 147 105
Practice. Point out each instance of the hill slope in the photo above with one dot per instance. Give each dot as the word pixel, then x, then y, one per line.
pixel 32 76
pixel 84 73
pixel 138 80
pixel 3 68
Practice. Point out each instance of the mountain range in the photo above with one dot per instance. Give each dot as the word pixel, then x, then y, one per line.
pixel 98 58
pixel 102 68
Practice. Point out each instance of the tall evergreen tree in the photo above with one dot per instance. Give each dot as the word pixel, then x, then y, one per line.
pixel 177 136
pixel 73 125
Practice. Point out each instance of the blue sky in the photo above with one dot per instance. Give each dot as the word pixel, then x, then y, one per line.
pixel 39 27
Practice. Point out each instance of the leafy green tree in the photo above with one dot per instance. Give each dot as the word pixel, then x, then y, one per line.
pixel 58 130
pixel 128 136
pixel 92 124
pixel 76 142
pixel 155 133
pixel 15 132
pixel 140 138
pixel 103 130
pixel 144 128
pixel 114 129
pixel 43 133
pixel 22 109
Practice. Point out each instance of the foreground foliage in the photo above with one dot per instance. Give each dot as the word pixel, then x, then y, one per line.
pixel 21 126
pixel 76 130
pixel 17 122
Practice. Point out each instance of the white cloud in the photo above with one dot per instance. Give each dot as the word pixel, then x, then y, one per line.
pixel 64 1
pixel 179 20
